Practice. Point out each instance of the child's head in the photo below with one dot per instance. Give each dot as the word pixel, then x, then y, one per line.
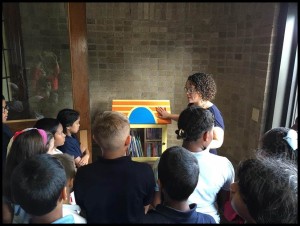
pixel 38 184
pixel 26 143
pixel 204 84
pixel 178 173
pixel 111 130
pixel 280 142
pixel 69 165
pixel 69 119
pixel 4 110
pixel 266 191
pixel 53 126
pixel 193 123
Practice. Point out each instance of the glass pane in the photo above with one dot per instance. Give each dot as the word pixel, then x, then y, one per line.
pixel 46 64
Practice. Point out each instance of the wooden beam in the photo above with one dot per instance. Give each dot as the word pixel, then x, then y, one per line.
pixel 79 66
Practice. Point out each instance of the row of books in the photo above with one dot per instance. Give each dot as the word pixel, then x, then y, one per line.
pixel 153 149
pixel 135 148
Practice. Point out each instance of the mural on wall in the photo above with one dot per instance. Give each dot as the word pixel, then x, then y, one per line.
pixel 47 56
pixel 45 75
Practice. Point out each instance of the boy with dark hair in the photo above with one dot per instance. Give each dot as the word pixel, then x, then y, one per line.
pixel 39 185
pixel 69 164
pixel 114 189
pixel 70 120
pixel 178 172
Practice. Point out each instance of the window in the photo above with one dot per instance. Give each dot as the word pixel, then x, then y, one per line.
pixel 14 86
pixel 284 93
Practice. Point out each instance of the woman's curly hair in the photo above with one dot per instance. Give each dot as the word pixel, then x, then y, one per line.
pixel 205 84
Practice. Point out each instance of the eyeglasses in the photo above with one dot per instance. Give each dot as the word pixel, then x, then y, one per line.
pixel 5 108
pixel 190 90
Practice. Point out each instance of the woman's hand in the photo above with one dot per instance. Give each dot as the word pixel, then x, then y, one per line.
pixel 162 112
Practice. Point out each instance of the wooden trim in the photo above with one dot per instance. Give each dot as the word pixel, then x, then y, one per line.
pixel 17 125
pixel 79 66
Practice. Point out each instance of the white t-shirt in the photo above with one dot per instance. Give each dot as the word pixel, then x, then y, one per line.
pixel 216 173
pixel 74 210
pixel 56 151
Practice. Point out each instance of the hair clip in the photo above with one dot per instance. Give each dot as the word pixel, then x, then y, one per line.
pixel 181 132
pixel 41 132
pixel 292 139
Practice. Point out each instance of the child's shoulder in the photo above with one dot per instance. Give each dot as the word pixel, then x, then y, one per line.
pixel 141 166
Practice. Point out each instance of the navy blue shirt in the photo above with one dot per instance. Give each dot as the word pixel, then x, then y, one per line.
pixel 71 146
pixel 114 190
pixel 166 215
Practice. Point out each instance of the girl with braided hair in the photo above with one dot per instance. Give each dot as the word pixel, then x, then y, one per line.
pixel 195 128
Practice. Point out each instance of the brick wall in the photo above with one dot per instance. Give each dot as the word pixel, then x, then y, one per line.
pixel 147 51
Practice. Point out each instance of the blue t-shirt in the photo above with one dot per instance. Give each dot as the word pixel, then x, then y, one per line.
pixel 69 219
pixel 71 146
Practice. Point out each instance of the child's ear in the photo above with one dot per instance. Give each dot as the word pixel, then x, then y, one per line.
pixel 128 140
pixel 206 136
pixel 70 183
pixel 64 194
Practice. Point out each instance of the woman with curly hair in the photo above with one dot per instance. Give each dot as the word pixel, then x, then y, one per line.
pixel 201 89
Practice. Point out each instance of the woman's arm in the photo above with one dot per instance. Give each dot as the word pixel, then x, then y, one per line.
pixel 218 138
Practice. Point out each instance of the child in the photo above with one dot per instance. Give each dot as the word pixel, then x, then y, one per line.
pixel 114 189
pixel 55 127
pixel 178 172
pixel 6 132
pixel 195 127
pixel 69 165
pixel 39 186
pixel 280 142
pixel 266 191
pixel 70 119
pixel 26 143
